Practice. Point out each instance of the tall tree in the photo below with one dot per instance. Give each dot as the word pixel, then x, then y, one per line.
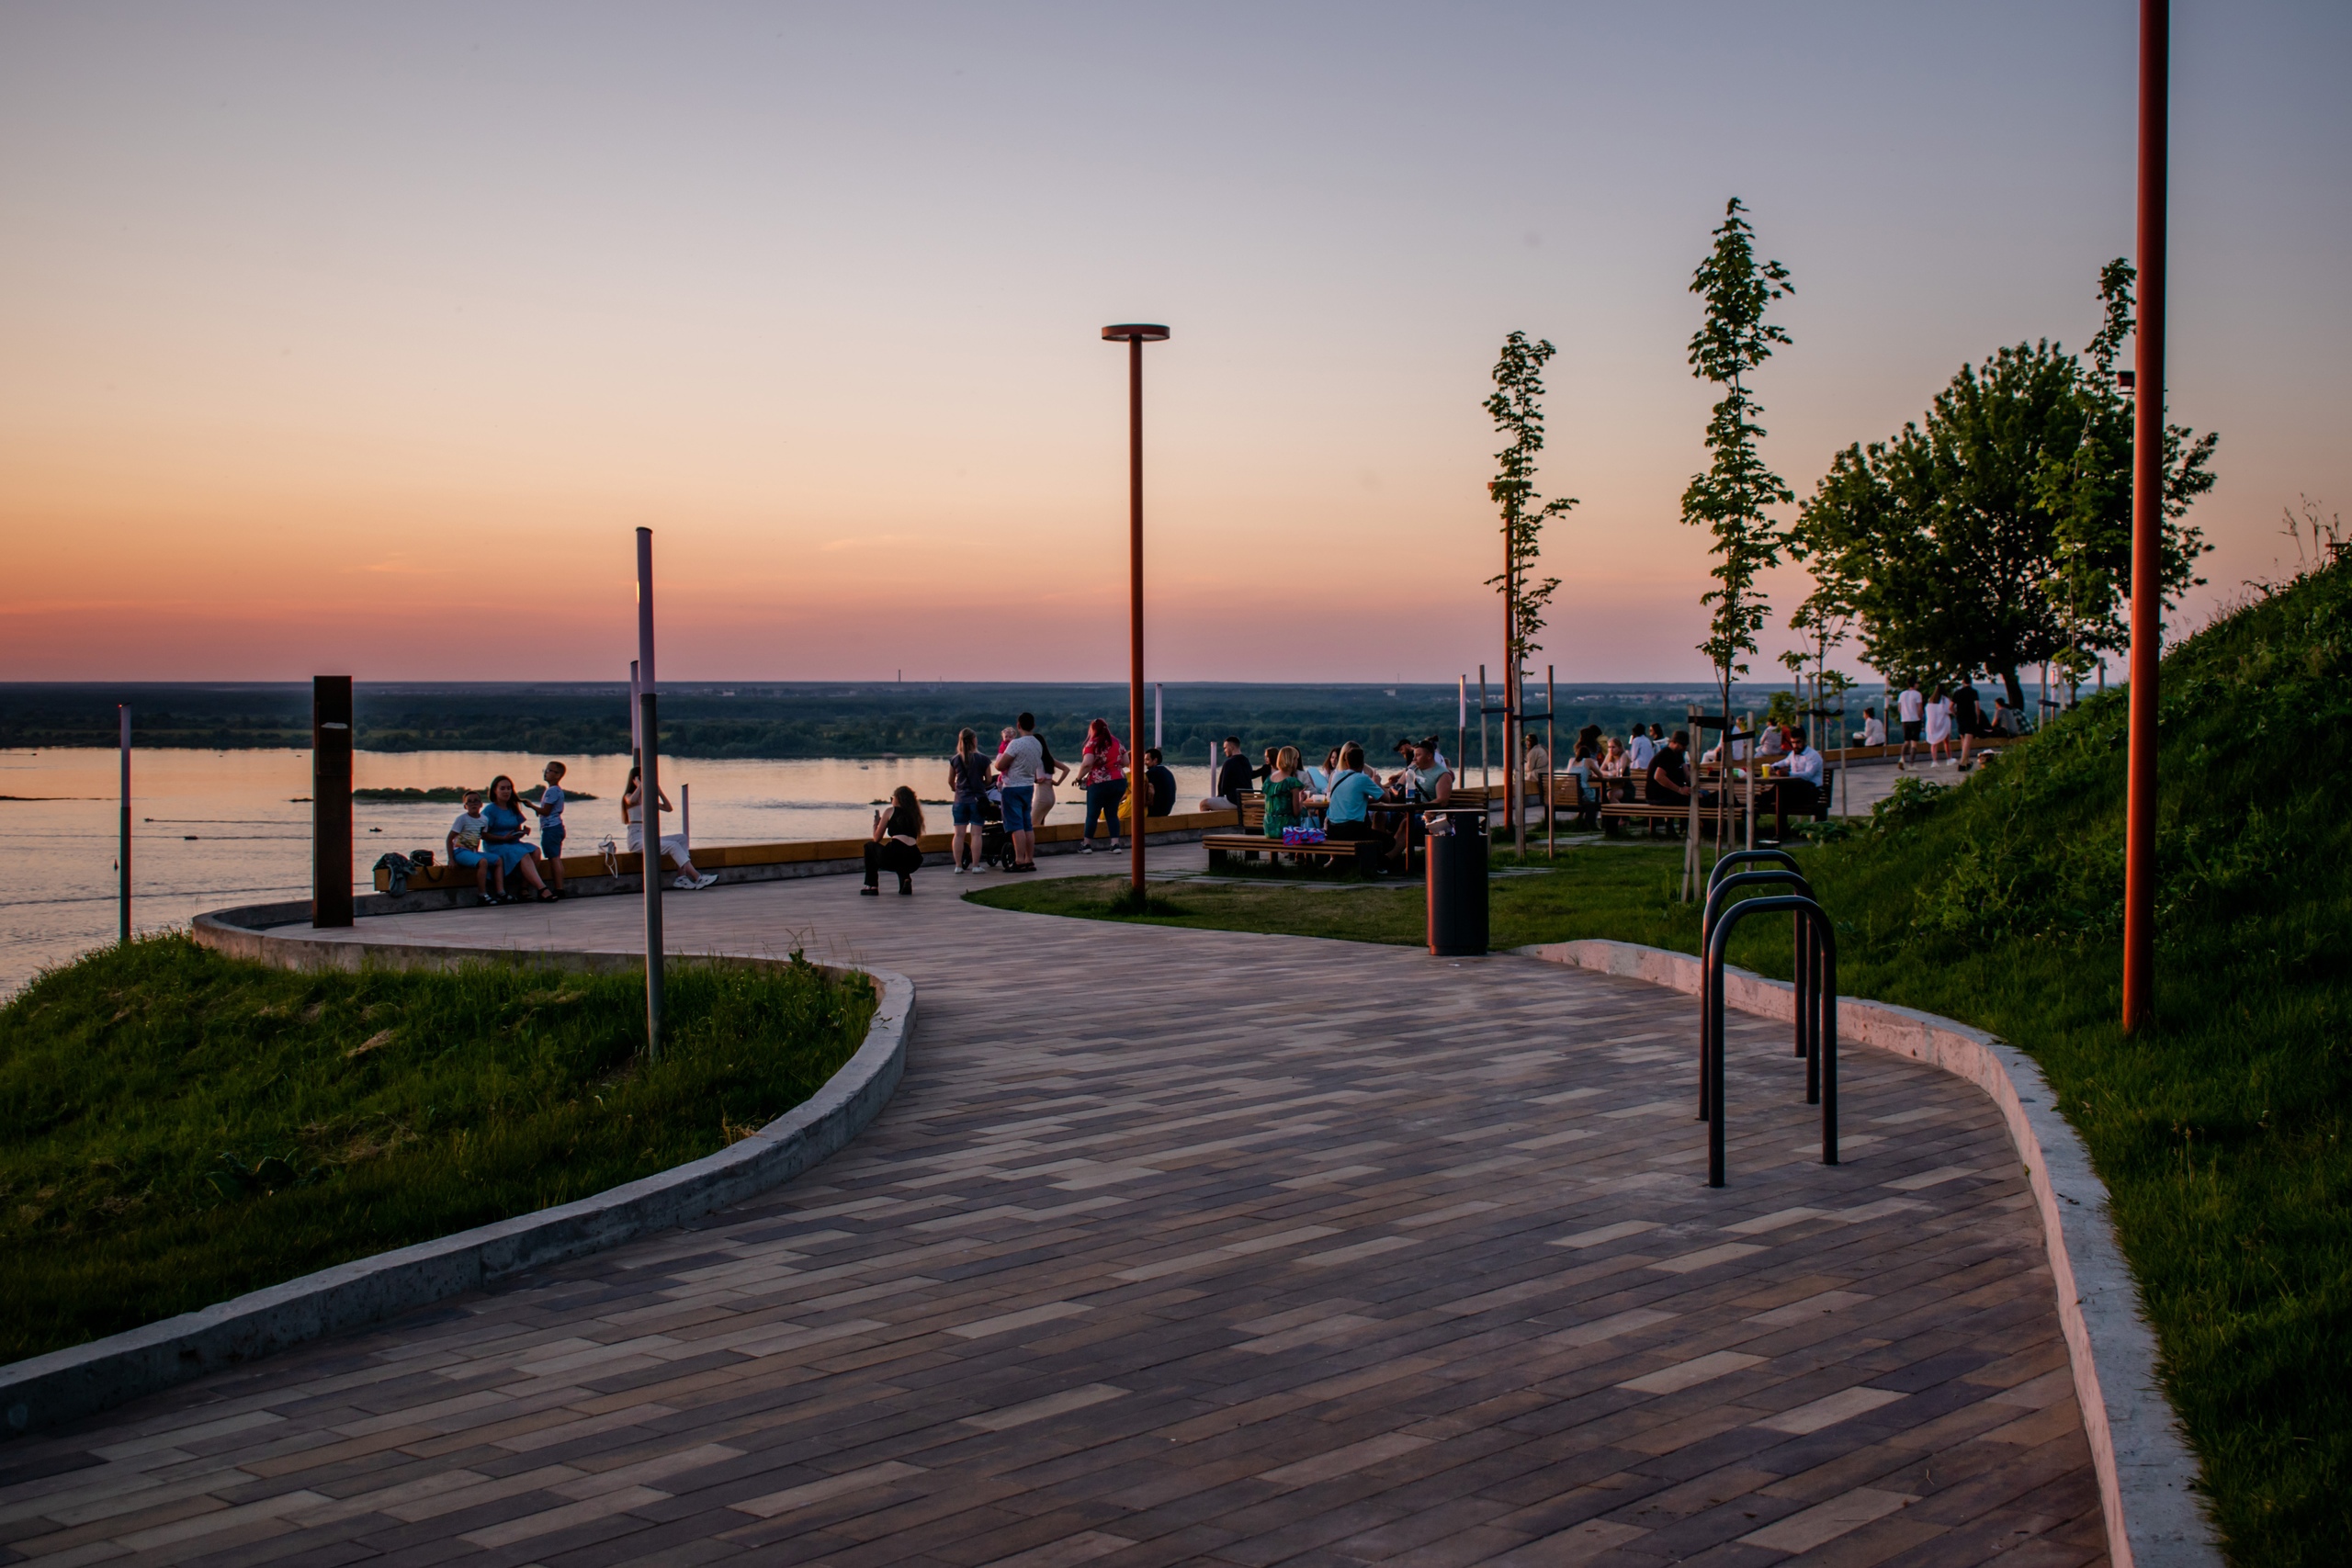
pixel 1517 406
pixel 1731 496
pixel 1995 533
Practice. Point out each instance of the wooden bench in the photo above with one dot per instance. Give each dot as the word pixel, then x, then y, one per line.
pixel 1468 798
pixel 1364 854
pixel 1731 804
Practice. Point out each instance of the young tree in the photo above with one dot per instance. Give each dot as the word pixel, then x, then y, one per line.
pixel 1730 498
pixel 1996 534
pixel 1517 406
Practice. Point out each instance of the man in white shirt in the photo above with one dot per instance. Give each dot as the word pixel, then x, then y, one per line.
pixel 1912 708
pixel 1873 728
pixel 1804 786
pixel 1018 766
pixel 1641 750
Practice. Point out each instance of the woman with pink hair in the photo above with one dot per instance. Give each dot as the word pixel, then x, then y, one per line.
pixel 1102 769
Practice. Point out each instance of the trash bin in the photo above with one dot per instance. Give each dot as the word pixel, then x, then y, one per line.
pixel 1456 862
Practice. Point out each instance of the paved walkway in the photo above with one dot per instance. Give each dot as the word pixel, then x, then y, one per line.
pixel 1191 1247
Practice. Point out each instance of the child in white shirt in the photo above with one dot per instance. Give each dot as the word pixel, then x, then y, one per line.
pixel 464 842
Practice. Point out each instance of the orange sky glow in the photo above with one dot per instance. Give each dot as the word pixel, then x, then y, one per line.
pixel 332 340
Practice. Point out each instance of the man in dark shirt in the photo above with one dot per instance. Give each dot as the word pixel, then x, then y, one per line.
pixel 1163 783
pixel 1967 717
pixel 1233 776
pixel 1669 774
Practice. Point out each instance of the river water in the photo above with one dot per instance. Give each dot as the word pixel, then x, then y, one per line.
pixel 212 828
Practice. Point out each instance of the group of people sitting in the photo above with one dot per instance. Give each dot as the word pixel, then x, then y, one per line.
pixel 493 837
pixel 1344 796
pixel 1655 767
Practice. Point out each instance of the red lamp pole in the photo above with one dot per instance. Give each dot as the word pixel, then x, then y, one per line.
pixel 2147 524
pixel 1134 334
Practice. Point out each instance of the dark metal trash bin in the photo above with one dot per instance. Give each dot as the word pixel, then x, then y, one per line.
pixel 1456 862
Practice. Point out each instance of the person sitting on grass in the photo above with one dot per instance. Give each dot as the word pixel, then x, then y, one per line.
pixel 1285 793
pixel 505 831
pixel 464 844
pixel 549 805
pixel 672 845
pixel 897 844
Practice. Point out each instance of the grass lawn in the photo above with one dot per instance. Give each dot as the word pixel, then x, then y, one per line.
pixel 2220 1131
pixel 178 1128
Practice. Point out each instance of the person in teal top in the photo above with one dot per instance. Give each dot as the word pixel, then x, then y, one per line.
pixel 1351 792
pixel 1285 792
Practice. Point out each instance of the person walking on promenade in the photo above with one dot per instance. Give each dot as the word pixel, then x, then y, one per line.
pixel 967 793
pixel 549 805
pixel 1103 773
pixel 1017 767
pixel 670 844
pixel 1911 708
pixel 1939 726
pixel 504 835
pixel 896 843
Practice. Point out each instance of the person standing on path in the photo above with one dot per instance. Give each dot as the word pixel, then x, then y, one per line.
pixel 1103 773
pixel 896 843
pixel 1017 767
pixel 1912 709
pixel 1939 726
pixel 967 793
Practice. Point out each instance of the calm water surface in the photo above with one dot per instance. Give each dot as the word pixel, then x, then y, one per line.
pixel 212 828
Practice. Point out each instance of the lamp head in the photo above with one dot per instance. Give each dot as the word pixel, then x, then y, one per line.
pixel 1134 332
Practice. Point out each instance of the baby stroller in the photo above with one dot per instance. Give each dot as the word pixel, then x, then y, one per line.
pixel 995 844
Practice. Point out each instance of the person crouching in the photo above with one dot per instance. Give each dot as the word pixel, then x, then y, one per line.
pixel 896 843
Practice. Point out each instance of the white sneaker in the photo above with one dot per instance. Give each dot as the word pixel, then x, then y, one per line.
pixel 1086 848
pixel 706 879
pixel 686 884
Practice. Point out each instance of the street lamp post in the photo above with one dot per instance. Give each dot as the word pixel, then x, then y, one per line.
pixel 2147 523
pixel 1134 334
pixel 649 797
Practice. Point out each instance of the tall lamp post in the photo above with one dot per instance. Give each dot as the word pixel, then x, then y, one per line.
pixel 2147 524
pixel 648 793
pixel 1134 334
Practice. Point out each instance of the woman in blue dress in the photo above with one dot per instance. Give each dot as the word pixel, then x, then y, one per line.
pixel 502 836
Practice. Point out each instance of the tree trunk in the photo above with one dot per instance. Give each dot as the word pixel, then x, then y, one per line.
pixel 2015 692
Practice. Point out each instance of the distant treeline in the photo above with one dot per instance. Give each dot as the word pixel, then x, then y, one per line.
pixel 805 719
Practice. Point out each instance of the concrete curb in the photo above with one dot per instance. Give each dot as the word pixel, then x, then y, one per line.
pixel 2147 1476
pixel 64 1384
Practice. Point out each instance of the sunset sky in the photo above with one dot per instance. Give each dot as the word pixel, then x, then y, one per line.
pixel 357 338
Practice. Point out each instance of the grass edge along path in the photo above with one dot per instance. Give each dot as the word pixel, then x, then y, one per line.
pixel 2220 1131
pixel 178 1128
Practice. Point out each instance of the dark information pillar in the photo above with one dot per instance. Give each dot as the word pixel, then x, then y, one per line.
pixel 329 800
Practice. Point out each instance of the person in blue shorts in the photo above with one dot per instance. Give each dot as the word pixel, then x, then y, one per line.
pixel 549 805
pixel 968 789
pixel 504 836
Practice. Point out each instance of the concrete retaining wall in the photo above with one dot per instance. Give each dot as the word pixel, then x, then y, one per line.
pixel 47 1390
pixel 2148 1477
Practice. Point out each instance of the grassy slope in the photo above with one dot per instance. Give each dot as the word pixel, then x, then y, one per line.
pixel 176 1128
pixel 2221 1130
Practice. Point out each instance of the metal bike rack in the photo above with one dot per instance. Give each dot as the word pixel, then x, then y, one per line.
pixel 1816 1022
pixel 1805 962
pixel 1723 865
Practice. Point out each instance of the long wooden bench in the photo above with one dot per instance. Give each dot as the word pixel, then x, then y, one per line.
pixel 1364 854
pixel 1730 802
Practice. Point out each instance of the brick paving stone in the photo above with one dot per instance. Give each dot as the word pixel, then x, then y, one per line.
pixel 1181 1247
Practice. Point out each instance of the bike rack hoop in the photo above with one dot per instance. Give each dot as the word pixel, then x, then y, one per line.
pixel 1821 1015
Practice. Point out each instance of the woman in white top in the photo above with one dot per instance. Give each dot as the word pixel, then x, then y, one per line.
pixel 1939 726
pixel 673 845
